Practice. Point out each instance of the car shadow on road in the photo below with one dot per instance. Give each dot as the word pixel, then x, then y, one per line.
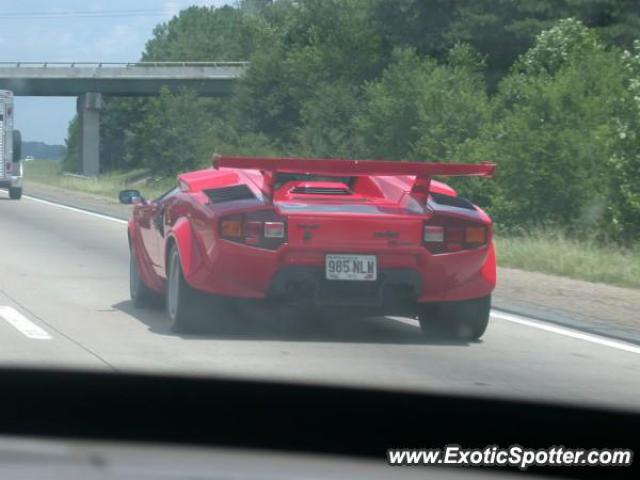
pixel 235 326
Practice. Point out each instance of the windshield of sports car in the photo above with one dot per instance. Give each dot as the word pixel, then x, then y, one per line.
pixel 477 236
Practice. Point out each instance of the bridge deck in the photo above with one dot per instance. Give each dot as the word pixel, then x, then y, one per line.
pixel 118 79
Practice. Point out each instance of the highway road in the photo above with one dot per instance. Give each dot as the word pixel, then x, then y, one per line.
pixel 64 302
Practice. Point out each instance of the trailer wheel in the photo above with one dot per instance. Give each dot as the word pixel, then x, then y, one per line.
pixel 15 193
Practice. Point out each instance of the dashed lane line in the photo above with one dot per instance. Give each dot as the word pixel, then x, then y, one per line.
pixel 23 324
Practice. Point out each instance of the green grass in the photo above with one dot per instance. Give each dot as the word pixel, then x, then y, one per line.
pixel 550 251
pixel 546 251
pixel 49 172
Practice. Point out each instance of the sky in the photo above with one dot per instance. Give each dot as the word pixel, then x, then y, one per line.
pixel 62 31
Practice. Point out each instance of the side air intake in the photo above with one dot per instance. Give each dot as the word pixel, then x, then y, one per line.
pixel 229 194
pixel 450 201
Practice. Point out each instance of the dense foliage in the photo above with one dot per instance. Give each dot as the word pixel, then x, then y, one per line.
pixel 550 90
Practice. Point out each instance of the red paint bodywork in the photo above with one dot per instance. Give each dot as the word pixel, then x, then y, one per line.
pixel 385 196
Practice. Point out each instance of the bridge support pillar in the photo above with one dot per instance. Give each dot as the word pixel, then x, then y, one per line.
pixel 88 107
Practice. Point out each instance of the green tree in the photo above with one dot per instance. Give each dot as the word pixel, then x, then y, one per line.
pixel 205 34
pixel 117 119
pixel 624 163
pixel 308 46
pixel 326 117
pixel 71 160
pixel 168 137
pixel 553 129
pixel 501 30
pixel 422 109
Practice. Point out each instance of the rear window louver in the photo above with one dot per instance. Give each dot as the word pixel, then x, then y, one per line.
pixel 321 191
pixel 229 194
pixel 459 202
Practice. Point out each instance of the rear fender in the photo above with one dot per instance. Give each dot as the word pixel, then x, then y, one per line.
pixel 489 269
pixel 148 274
pixel 133 234
pixel 182 236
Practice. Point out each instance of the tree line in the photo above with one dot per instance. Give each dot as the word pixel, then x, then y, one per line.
pixel 550 90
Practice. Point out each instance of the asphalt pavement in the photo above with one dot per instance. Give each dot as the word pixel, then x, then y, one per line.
pixel 64 303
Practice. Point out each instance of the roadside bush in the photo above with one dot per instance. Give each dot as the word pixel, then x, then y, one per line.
pixel 422 109
pixel 552 131
pixel 168 137
pixel 623 213
pixel 71 160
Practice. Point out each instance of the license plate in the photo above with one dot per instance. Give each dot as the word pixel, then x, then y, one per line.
pixel 361 268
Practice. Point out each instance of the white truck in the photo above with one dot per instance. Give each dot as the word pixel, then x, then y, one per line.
pixel 10 148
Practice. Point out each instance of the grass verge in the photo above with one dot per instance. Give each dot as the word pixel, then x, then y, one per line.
pixel 550 251
pixel 546 251
pixel 49 172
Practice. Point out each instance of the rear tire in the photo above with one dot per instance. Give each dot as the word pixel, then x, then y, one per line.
pixel 15 193
pixel 141 295
pixel 461 320
pixel 184 304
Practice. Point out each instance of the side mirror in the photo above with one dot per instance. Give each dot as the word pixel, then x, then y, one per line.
pixel 129 197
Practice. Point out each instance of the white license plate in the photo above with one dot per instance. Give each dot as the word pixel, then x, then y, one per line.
pixel 363 268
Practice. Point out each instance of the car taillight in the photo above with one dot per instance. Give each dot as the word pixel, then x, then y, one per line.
pixel 274 229
pixel 445 234
pixel 475 235
pixel 231 228
pixel 262 228
pixel 433 234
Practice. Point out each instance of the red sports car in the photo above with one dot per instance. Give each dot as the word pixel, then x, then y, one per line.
pixel 378 237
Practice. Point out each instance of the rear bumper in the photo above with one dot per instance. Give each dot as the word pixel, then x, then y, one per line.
pixel 240 271
pixel 11 181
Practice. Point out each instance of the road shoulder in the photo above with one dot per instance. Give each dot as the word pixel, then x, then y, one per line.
pixel 593 307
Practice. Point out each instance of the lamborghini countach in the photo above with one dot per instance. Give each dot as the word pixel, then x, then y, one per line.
pixel 375 237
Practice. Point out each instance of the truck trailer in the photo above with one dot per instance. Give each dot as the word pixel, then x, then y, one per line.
pixel 10 148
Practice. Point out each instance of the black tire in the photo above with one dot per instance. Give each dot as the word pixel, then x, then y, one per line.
pixel 141 295
pixel 462 320
pixel 184 305
pixel 17 146
pixel 15 193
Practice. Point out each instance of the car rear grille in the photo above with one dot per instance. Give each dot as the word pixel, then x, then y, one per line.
pixel 349 293
pixel 229 194
pixel 321 191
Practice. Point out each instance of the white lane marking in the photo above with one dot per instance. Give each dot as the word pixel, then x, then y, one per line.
pixel 568 332
pixel 74 209
pixel 23 324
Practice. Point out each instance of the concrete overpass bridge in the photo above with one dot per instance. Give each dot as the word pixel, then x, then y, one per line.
pixel 90 81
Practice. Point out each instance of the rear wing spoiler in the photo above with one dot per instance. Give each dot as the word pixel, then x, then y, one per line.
pixel 423 172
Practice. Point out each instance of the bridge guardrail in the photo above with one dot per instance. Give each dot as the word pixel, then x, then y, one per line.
pixel 121 64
